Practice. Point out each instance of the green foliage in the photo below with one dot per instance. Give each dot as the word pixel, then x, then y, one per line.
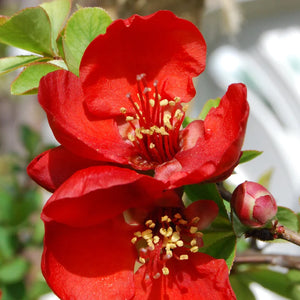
pixel 28 81
pixel 8 64
pixel 219 239
pixel 30 30
pixel 211 103
pixel 81 29
pixel 265 178
pixel 287 218
pixel 249 155
pixel 240 285
pixel 57 12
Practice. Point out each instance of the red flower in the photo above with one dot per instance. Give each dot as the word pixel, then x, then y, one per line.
pixel 126 106
pixel 90 251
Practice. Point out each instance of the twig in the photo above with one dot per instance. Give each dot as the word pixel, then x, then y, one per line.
pixel 287 261
pixel 226 195
pixel 289 235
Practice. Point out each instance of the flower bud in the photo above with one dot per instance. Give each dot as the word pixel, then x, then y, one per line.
pixel 253 204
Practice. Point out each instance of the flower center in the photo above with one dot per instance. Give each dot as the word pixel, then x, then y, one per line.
pixel 171 236
pixel 155 123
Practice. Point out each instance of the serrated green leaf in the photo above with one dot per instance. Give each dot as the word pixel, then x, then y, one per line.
pixel 30 139
pixel 249 155
pixel 211 103
pixel 28 81
pixel 58 11
pixel 8 64
pixel 265 178
pixel 30 30
pixel 287 218
pixel 241 287
pixel 13 271
pixel 81 29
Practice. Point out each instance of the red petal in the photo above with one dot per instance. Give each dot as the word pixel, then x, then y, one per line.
pixel 164 47
pixel 206 210
pixel 96 194
pixel 89 263
pixel 61 97
pixel 200 277
pixel 217 152
pixel 51 168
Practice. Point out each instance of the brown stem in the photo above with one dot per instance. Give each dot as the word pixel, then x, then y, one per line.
pixel 287 261
pixel 289 235
pixel 226 195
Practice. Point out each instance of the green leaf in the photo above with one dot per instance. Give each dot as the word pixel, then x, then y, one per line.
pixel 8 64
pixel 58 11
pixel 273 281
pixel 287 218
pixel 265 178
pixel 241 287
pixel 211 103
pixel 81 29
pixel 29 29
pixel 219 239
pixel 222 246
pixel 28 81
pixel 206 192
pixel 186 121
pixel 30 139
pixel 6 245
pixel 38 289
pixel 14 291
pixel 249 155
pixel 13 271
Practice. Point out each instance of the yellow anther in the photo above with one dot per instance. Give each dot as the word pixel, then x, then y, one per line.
pixel 148 222
pixel 169 232
pixel 138 234
pixel 163 231
pixel 150 244
pixel 178 229
pixel 165 219
pixel 142 260
pixel 156 276
pixel 172 245
pixel 146 131
pixel 179 243
pixel 138 133
pixel 165 271
pixel 147 234
pixel 169 253
pixel 162 131
pixel 131 137
pixel 152 102
pixel 193 229
pixel 123 110
pixel 163 102
pixel 172 103
pixel 178 216
pixel 129 118
pixel 177 99
pixel 193 242
pixel 175 237
pixel 136 105
pixel 155 239
pixel 178 114
pixel 185 108
pixel 151 146
pixel 167 122
pixel 182 222
pixel 183 257
pixel 133 240
pixel 194 249
pixel 195 220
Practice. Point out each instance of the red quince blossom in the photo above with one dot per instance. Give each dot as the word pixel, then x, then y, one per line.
pixel 90 251
pixel 126 107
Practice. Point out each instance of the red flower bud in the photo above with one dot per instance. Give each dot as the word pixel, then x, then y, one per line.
pixel 253 204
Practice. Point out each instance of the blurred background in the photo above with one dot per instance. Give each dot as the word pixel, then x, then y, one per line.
pixel 256 42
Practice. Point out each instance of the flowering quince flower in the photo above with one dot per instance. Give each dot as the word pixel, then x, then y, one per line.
pixel 253 204
pixel 126 107
pixel 104 219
